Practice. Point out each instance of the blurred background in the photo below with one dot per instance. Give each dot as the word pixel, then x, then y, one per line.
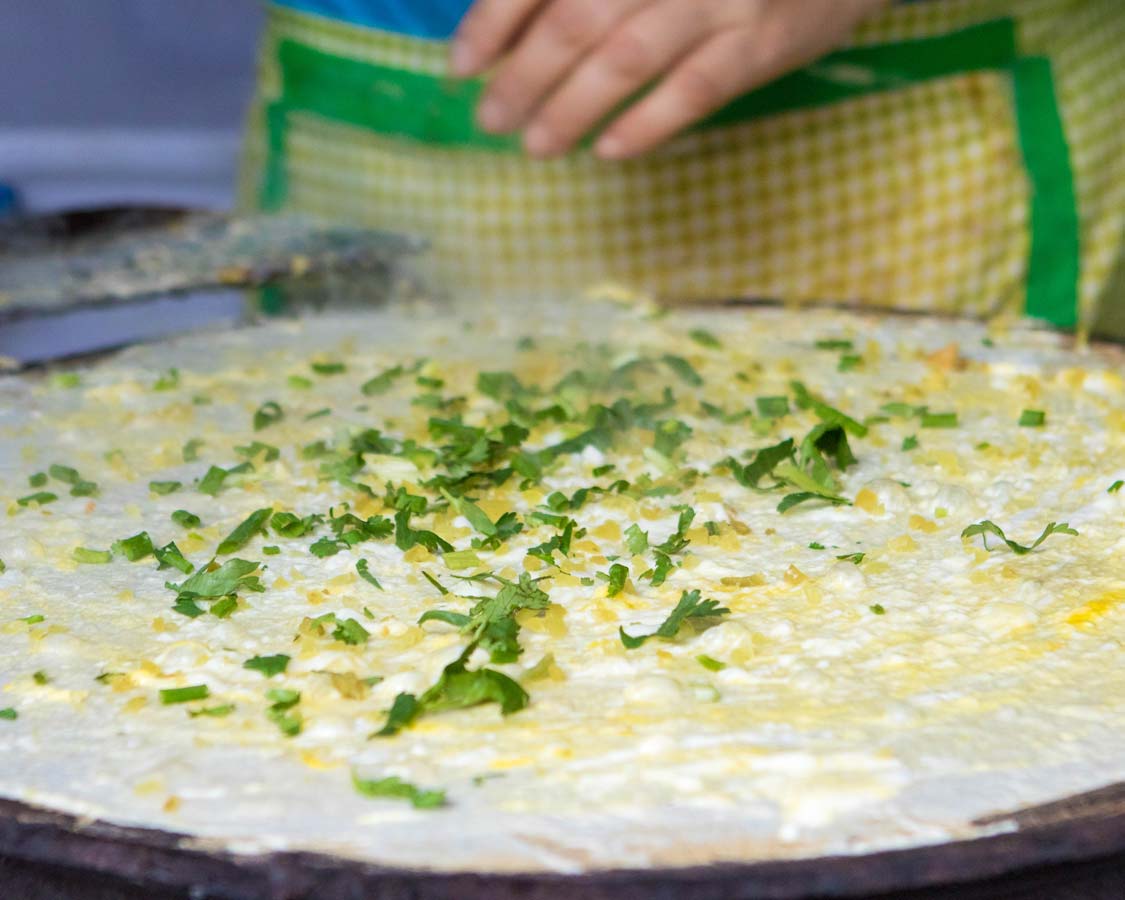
pixel 123 101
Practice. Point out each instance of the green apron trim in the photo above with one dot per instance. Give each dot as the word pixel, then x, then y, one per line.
pixel 1054 264
pixel 441 112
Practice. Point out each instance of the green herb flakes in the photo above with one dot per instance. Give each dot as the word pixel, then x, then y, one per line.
pixel 363 570
pixel 40 498
pixel 168 696
pixel 91 557
pixel 939 420
pixel 134 548
pixel 1032 418
pixel 269 413
pixel 351 632
pixel 710 664
pixel 986 528
pixel 396 789
pixel 164 488
pixel 878 609
pixel 705 338
pixel 186 519
pixel 772 407
pixel 251 526
pixel 268 665
pixel 690 607
pixel 213 712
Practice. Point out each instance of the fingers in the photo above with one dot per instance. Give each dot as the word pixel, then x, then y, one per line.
pixel 634 54
pixel 730 64
pixel 555 41
pixel 488 29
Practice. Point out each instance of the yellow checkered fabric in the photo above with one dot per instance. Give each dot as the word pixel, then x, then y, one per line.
pixel 915 198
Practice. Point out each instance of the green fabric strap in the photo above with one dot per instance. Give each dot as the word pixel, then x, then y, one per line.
pixel 440 112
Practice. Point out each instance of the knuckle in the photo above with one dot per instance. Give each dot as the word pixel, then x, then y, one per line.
pixel 628 53
pixel 699 88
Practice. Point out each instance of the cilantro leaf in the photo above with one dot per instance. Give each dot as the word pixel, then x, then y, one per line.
pixel 163 488
pixel 268 452
pixel 986 528
pixel 396 789
pixel 382 382
pixel 407 537
pixel 456 619
pixel 689 607
pixel 772 407
pixel 290 525
pixel 684 370
pixel 473 513
pixel 705 338
pixel 364 572
pixel 762 464
pixel 618 575
pixel 827 414
pixel 350 632
pixel 1115 487
pixel 636 540
pixel 268 665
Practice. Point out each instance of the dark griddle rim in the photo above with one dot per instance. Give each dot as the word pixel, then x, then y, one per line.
pixel 1080 829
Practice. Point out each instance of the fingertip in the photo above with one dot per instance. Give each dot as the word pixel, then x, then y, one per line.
pixel 611 147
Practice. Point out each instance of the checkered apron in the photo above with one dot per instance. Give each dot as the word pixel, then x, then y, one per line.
pixel 958 156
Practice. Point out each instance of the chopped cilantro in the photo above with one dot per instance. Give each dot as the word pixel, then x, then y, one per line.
pixel 364 572
pixel 909 443
pixel 856 558
pixel 683 370
pixel 710 664
pixel 271 550
pixel 91 557
pixel 834 344
pixel 252 525
pixel 169 696
pixel 40 497
pixel 396 789
pixel 1032 418
pixel 186 519
pixel 437 584
pixel 269 413
pixel 407 537
pixel 461 559
pixel 268 665
pixel 290 525
pixel 350 632
pixel 163 488
pixel 772 407
pixel 636 540
pixel 34 619
pixel 37 480
pixel 689 607
pixel 65 380
pixel 986 528
pixel 473 513
pixel 618 575
pixel 848 362
pixel 191 450
pixel 457 688
pixel 134 548
pixel 319 414
pixel 705 338
pixel 382 382
pixel 9 713
pixel 84 489
pixel 268 452
pixel 185 606
pixel 817 546
pixel 40 677
pixel 168 381
pixel 670 435
pixel 1113 488
pixel 281 712
pixel 299 382
pixel 328 368
pixel 878 609
pixel 827 414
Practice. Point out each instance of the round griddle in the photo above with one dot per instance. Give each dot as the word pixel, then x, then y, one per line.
pixel 1070 850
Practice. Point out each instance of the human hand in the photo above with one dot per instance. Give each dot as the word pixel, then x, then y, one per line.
pixel 565 65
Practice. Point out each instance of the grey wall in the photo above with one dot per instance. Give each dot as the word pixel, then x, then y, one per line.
pixel 126 100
